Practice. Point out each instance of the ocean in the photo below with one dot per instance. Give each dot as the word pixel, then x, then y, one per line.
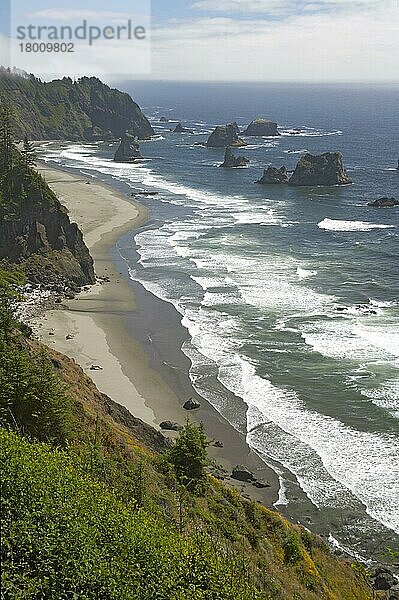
pixel 290 296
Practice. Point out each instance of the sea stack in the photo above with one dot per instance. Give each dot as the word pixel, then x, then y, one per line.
pixel 180 129
pixel 273 176
pixel 261 128
pixel 325 169
pixel 231 161
pixel 128 150
pixel 225 135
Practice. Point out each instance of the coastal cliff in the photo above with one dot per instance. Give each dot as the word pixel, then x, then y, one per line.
pixel 44 236
pixel 86 109
pixel 35 230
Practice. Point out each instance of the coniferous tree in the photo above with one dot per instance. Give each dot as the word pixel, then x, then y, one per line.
pixel 28 153
pixel 6 154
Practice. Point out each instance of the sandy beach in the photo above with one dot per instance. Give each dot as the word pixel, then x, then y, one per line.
pixel 92 329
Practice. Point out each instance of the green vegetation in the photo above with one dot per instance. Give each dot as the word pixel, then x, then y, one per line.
pixel 67 536
pixel 85 109
pixel 188 456
pixel 35 230
pixel 89 512
pixel 20 185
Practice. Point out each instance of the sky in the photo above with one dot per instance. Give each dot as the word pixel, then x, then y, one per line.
pixel 260 40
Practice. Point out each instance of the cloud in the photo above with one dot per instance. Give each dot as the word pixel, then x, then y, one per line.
pixel 355 46
pixel 283 8
pixel 70 14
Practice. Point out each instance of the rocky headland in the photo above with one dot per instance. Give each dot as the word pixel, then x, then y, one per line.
pixel 63 109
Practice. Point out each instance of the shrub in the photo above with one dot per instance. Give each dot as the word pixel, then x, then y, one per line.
pixel 66 536
pixel 188 456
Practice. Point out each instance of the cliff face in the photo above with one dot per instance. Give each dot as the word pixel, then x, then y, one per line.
pixel 48 234
pixel 62 109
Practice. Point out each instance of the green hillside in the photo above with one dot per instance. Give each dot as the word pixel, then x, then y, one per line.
pixel 63 109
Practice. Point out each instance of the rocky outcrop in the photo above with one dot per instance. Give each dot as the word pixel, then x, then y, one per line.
pixel 325 170
pixel 225 135
pixel 164 120
pixel 83 109
pixel 48 235
pixel 191 404
pixel 169 426
pixel 128 150
pixel 273 176
pixel 384 202
pixel 231 161
pixel 261 128
pixel 241 473
pixel 383 579
pixel 180 129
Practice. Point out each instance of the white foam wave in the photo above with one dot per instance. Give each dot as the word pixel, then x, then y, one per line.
pixel 305 273
pixel 337 225
pixel 351 339
pixel 365 463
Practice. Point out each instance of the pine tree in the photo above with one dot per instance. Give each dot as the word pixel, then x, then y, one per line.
pixel 28 153
pixel 188 456
pixel 6 154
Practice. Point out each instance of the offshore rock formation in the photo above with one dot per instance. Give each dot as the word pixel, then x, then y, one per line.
pixel 325 169
pixel 128 150
pixel 180 129
pixel 272 176
pixel 225 135
pixel 384 202
pixel 261 128
pixel 85 109
pixel 231 161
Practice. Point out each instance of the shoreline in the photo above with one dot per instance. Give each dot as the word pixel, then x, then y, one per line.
pixel 97 326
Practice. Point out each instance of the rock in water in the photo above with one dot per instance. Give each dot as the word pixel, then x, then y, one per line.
pixel 384 203
pixel 231 161
pixel 261 128
pixel 164 120
pixel 225 135
pixel 324 169
pixel 180 129
pixel 129 149
pixel 272 176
